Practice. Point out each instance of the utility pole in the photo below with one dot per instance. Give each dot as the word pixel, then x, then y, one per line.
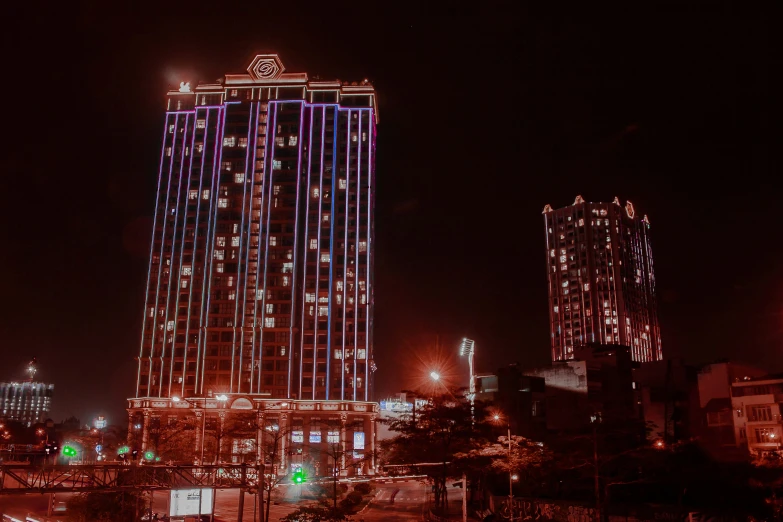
pixel 464 498
pixel 510 480
pixel 597 482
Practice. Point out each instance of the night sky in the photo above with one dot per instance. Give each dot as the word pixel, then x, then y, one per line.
pixel 486 115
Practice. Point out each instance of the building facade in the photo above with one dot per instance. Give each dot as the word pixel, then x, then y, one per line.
pixel 758 413
pixel 25 402
pixel 601 279
pixel 260 283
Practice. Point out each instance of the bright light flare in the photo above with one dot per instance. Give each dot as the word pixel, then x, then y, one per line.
pixel 435 376
pixel 515 477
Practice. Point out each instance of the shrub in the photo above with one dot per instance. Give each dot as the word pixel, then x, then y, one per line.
pixel 363 488
pixel 354 497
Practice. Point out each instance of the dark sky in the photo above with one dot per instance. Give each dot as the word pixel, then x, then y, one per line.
pixel 486 114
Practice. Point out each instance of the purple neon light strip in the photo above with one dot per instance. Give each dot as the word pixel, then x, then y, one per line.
pixel 318 256
pixel 171 276
pixel 299 139
pixel 306 251
pixel 252 169
pixel 239 269
pixel 181 258
pixel 162 247
pixel 368 276
pixel 195 249
pixel 209 253
pixel 149 267
pixel 356 302
pixel 345 255
pixel 270 140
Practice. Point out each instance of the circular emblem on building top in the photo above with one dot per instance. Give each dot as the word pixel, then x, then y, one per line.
pixel 266 67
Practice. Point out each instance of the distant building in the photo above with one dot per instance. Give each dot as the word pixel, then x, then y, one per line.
pixel 25 402
pixel 716 426
pixel 667 397
pixel 395 408
pixel 757 413
pixel 598 381
pixel 521 399
pixel 601 279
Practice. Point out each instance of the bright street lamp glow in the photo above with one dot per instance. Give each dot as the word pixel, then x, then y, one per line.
pixel 514 477
pixel 175 399
pixel 435 376
pixel 496 417
pixel 221 397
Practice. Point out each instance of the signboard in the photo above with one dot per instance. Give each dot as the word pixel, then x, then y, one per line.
pixel 98 448
pixel 358 440
pixel 186 502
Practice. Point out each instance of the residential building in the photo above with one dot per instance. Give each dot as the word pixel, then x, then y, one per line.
pixel 260 285
pixel 601 279
pixel 25 402
pixel 758 424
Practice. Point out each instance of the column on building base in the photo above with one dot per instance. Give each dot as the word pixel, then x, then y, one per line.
pixel 199 441
pixel 260 456
pixel 145 431
pixel 283 434
pixel 343 444
pixel 129 438
pixel 369 444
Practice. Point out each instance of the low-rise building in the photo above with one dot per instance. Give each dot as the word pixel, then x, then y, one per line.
pixel 758 424
pixel 521 399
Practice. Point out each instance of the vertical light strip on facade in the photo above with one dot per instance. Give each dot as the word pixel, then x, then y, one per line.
pixel 171 275
pixel 306 249
pixel 258 330
pixel 161 258
pixel 182 255
pixel 251 167
pixel 356 301
pixel 213 203
pixel 319 221
pixel 299 140
pixel 368 318
pixel 149 267
pixel 271 141
pixel 195 251
pixel 345 255
pixel 331 252
pixel 241 229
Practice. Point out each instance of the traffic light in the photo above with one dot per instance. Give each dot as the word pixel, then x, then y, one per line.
pixel 48 448
pixel 135 454
pixel 299 477
pixel 122 450
pixel 69 451
pixel 55 448
pixel 149 455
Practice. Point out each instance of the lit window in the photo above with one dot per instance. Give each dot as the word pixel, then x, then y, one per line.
pixel 562 259
pixel 313 244
pixel 354 137
pixel 292 141
pixel 363 299
pixel 309 298
pixel 270 308
pixel 316 192
pixel 324 258
pixel 339 286
pixel 187 270
pixel 235 241
pixel 230 281
pixel 272 240
pixel 221 241
pixel 187 151
pixel 323 311
pixel 222 202
pixel 288 268
pixel 563 267
pixel 338 298
pixel 219 268
pixel 243 143
pixel 361 353
pixel 333 436
pixel 565 284
pixel 277 164
pixel 587 287
pixel 220 254
pixel 205 194
pixel 362 246
pixel 310 310
pixel 269 322
pixel 364 136
pixel 233 92
pixel 184 283
pixel 193 194
pixel 556 308
pixel 285 280
pixel 239 177
pixel 325 218
pixel 226 165
pixel 171 129
pixel 581 222
pixel 201 124
pixel 168 151
pixel 343 184
pixel 229 141
pixel 170 326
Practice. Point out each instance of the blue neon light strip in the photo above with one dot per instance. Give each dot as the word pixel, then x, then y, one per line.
pixel 331 254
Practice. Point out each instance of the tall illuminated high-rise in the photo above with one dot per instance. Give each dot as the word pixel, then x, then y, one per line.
pixel 601 279
pixel 260 283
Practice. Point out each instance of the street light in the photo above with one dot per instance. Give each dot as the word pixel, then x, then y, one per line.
pixel 435 376
pixel 511 477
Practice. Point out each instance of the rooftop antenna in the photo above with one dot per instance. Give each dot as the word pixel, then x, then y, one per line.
pixel 32 368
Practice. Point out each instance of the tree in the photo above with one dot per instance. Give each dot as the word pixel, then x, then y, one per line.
pixel 320 513
pixel 174 440
pixel 341 459
pixel 443 428
pixel 98 506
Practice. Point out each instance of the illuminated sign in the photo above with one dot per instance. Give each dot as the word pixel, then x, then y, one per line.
pixel 185 502
pixel 358 440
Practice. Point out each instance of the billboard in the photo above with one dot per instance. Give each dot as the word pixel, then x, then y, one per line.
pixel 186 502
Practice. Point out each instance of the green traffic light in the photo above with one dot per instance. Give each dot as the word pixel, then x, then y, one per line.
pixel 68 451
pixel 299 477
pixel 149 455
pixel 122 450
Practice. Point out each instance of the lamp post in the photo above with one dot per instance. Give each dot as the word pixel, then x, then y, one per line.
pixel 497 418
pixel 468 347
